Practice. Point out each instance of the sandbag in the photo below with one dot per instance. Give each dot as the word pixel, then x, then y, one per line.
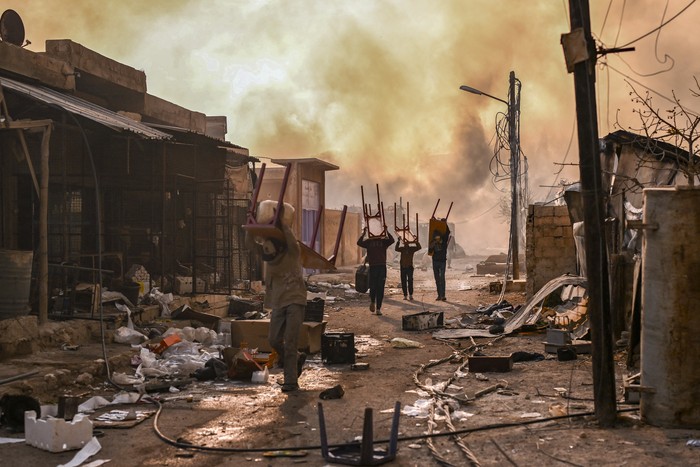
pixel 266 213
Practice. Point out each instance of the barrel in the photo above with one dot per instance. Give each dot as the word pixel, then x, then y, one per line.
pixel 670 335
pixel 15 281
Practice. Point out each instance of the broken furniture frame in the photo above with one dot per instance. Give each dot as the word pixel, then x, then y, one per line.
pixel 339 236
pixel 404 231
pixel 438 225
pixel 448 210
pixel 361 453
pixel 373 218
pixel 266 230
pixel 311 259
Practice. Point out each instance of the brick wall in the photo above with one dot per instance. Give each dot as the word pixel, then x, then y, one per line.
pixel 550 245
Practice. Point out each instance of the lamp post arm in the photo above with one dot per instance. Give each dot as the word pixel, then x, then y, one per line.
pixel 481 93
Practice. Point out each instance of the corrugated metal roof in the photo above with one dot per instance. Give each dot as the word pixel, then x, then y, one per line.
pixel 83 108
pixel 194 135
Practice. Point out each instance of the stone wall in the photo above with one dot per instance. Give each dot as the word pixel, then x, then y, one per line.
pixel 551 251
pixel 19 336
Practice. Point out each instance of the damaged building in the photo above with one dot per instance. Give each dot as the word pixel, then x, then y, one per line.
pixel 92 163
pixel 630 164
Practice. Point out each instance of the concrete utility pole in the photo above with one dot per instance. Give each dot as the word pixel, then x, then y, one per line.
pixel 514 142
pixel 580 53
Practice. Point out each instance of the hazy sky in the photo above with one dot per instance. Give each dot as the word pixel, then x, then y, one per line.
pixel 373 85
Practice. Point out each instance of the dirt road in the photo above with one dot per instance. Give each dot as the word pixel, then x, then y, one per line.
pixel 508 422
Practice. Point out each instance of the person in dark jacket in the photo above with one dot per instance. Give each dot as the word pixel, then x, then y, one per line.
pixel 376 258
pixel 407 250
pixel 438 250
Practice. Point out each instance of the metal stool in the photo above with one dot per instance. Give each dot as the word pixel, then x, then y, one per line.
pixel 364 453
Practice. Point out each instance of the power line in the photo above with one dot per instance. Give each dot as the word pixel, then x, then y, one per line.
pixel 690 111
pixel 483 213
pixel 660 26
pixel 619 26
pixel 571 140
pixel 605 20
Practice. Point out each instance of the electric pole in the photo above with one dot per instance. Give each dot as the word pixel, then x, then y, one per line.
pixel 580 53
pixel 514 142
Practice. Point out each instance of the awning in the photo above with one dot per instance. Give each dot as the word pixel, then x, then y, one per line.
pixel 83 108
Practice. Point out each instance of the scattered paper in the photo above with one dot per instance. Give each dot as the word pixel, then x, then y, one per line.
pixel 90 449
pixel 11 440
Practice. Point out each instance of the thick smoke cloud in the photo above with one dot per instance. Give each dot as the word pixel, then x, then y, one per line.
pixel 373 86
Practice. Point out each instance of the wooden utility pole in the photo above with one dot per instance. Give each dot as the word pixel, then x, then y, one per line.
pixel 580 52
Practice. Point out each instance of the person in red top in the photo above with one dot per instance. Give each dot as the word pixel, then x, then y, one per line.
pixel 376 258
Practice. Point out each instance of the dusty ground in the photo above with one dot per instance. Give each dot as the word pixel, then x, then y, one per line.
pixel 246 421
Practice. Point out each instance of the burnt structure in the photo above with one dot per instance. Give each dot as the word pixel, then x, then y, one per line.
pixel 96 173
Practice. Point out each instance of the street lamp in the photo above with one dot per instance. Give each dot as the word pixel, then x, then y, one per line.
pixel 514 142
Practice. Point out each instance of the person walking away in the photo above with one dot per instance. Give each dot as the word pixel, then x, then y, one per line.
pixel 451 249
pixel 285 293
pixel 376 258
pixel 407 250
pixel 438 250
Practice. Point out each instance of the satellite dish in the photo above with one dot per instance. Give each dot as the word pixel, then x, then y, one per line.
pixel 11 28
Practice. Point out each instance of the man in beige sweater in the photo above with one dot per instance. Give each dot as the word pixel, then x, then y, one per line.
pixel 285 293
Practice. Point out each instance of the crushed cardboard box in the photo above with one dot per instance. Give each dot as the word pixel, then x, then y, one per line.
pixel 254 333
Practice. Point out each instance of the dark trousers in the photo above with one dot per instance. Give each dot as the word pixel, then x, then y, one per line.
pixel 439 273
pixel 407 280
pixel 377 279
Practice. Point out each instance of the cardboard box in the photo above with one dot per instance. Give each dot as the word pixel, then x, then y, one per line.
pixel 183 285
pixel 166 342
pixel 254 332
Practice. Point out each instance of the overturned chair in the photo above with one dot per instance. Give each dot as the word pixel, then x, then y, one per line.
pixel 362 453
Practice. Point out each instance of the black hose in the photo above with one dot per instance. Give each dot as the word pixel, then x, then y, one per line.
pixel 495 426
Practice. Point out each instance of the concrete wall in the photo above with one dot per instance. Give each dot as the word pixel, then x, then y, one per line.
pixel 550 248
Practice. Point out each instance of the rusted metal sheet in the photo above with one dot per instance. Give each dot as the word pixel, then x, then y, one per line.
pixel 83 108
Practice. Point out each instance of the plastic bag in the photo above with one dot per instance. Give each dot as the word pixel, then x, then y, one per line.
pixel 401 343
pixel 124 335
pixel 261 376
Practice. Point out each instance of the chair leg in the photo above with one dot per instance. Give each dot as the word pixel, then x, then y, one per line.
pixel 322 429
pixel 394 438
pixel 367 449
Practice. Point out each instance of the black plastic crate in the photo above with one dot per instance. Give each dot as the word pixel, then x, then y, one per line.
pixel 314 310
pixel 338 347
